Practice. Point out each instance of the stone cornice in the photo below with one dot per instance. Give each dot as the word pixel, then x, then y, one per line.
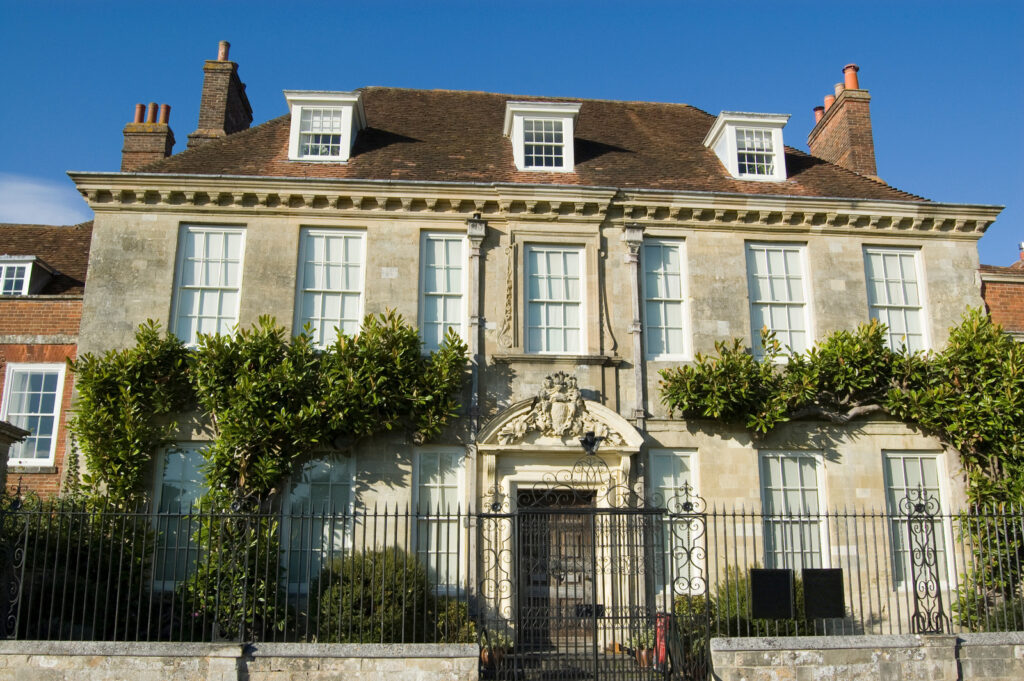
pixel 243 195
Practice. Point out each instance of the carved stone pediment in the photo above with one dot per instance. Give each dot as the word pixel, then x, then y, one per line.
pixel 559 412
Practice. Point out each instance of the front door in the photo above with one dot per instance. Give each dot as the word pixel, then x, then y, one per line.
pixel 557 596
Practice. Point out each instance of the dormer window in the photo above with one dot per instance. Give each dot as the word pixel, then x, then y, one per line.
pixel 542 135
pixel 324 124
pixel 750 144
pixel 22 275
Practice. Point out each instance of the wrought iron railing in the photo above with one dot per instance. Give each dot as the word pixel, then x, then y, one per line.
pixel 395 575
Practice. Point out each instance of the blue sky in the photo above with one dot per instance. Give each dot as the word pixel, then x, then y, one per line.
pixel 945 77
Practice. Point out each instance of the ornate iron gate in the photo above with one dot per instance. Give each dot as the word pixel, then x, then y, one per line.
pixel 583 577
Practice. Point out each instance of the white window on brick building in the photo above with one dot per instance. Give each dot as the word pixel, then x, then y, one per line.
pixel 442 287
pixel 894 295
pixel 330 296
pixel 209 281
pixel 778 294
pixel 14 279
pixel 665 299
pixel 31 401
pixel 554 291
pixel 794 529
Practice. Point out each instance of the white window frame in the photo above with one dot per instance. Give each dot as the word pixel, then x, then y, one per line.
pixel 462 327
pixel 30 368
pixel 335 541
pixel 353 119
pixel 819 519
pixel 581 253
pixel 448 515
pixel 944 531
pixel 874 307
pixel 182 531
pixel 7 265
pixel 184 233
pixel 565 112
pixel 675 529
pixel 751 247
pixel 302 288
pixel 683 301
pixel 722 139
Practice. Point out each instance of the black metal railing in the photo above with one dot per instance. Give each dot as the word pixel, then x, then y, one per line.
pixel 76 572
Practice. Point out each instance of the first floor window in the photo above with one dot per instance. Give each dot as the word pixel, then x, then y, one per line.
pixel 670 481
pixel 31 401
pixel 894 295
pixel 778 297
pixel 664 298
pixel 793 524
pixel 912 474
pixel 209 281
pixel 554 291
pixel 180 483
pixel 443 284
pixel 317 518
pixel 331 283
pixel 438 503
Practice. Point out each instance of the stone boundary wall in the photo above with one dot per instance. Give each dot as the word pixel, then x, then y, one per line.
pixel 986 657
pixel 105 661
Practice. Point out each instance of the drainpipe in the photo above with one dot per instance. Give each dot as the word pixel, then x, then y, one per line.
pixel 633 235
pixel 476 229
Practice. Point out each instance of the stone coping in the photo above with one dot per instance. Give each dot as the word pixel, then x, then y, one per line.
pixel 388 650
pixel 307 650
pixel 744 644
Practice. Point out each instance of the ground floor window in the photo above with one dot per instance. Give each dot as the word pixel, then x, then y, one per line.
pixel 438 487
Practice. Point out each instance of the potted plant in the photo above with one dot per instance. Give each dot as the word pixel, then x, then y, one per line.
pixel 494 645
pixel 642 643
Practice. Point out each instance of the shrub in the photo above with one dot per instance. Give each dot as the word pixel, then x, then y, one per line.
pixel 381 596
pixel 453 622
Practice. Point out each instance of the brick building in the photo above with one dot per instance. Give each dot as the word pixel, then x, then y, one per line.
pixel 43 280
pixel 1002 288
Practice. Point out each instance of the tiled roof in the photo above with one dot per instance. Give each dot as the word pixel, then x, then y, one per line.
pixel 64 248
pixel 442 135
pixel 1016 268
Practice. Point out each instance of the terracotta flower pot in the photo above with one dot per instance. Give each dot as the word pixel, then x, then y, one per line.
pixel 645 657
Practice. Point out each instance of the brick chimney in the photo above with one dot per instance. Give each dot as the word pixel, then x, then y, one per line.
pixel 224 108
pixel 842 130
pixel 148 138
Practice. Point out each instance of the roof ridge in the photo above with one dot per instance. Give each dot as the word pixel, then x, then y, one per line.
pixel 529 97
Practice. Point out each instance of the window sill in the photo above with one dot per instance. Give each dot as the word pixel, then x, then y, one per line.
pixel 538 358
pixel 29 469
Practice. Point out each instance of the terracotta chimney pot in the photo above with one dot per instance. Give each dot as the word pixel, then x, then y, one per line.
pixel 140 113
pixel 819 113
pixel 165 113
pixel 829 101
pixel 151 114
pixel 839 87
pixel 850 76
pixel 222 50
